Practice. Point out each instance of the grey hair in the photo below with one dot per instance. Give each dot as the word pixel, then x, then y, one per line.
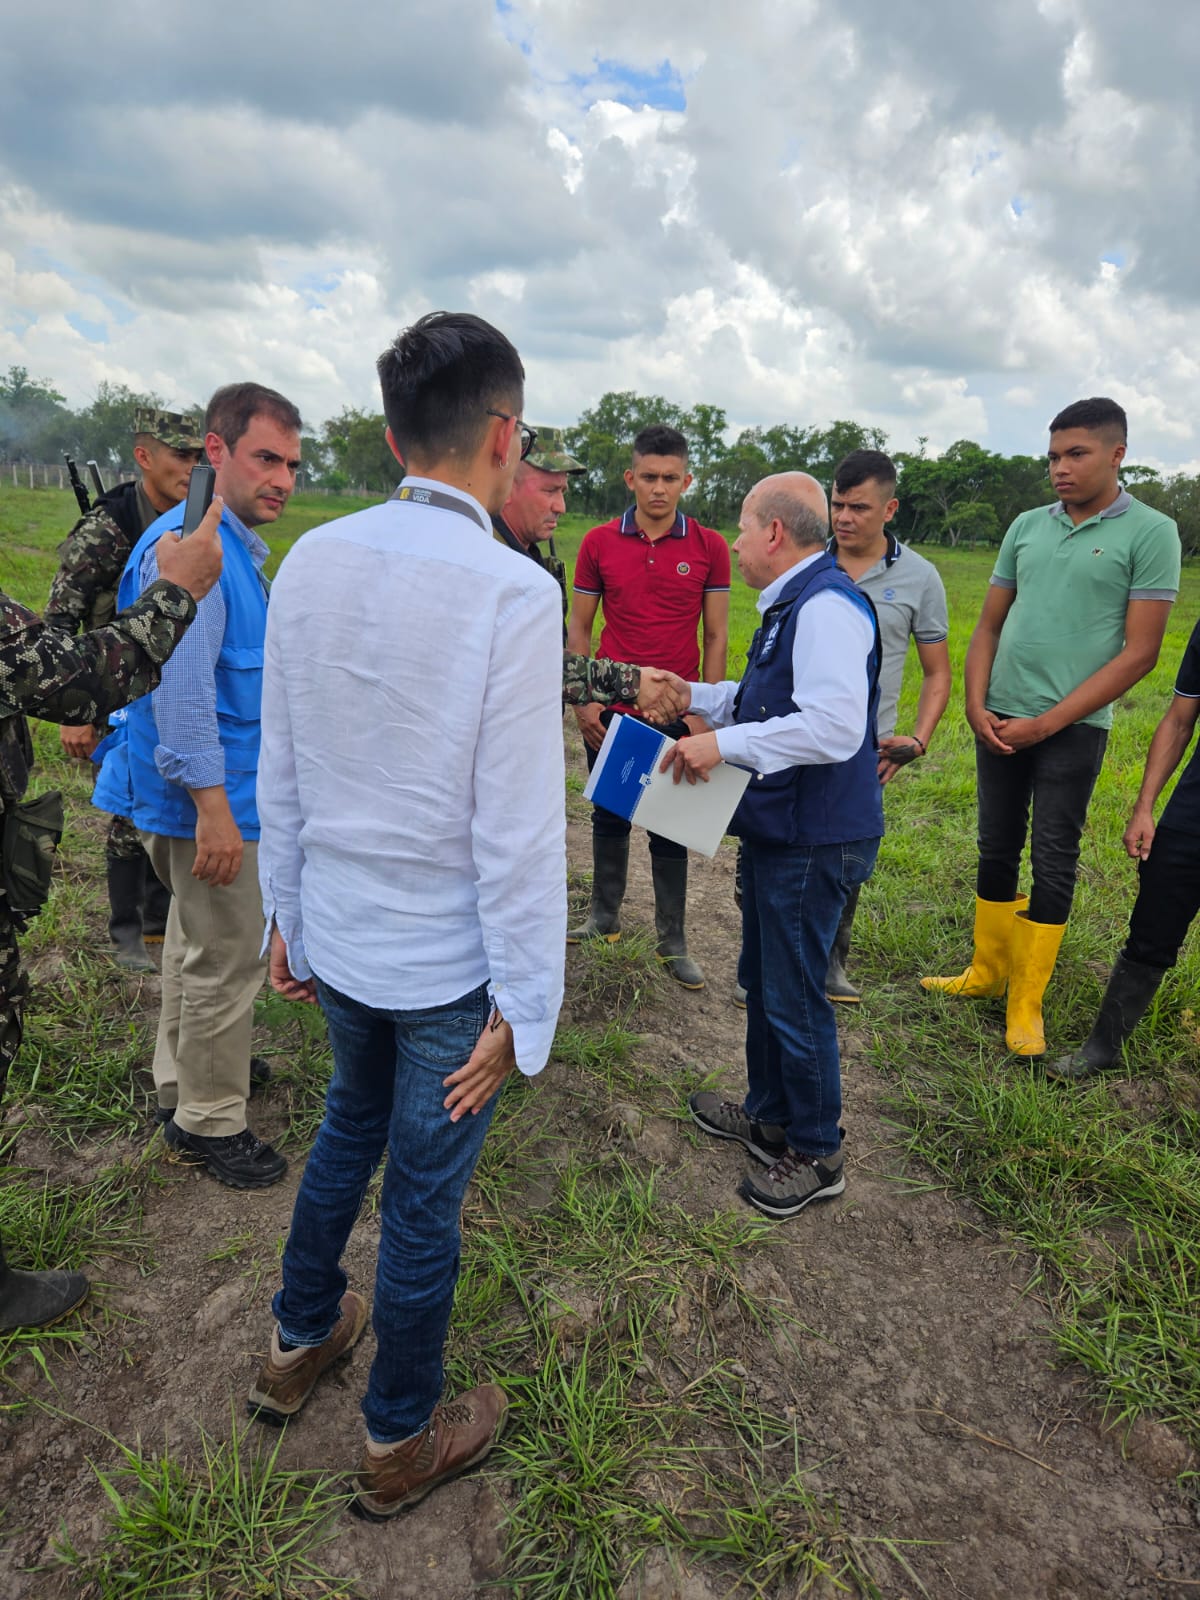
pixel 803 526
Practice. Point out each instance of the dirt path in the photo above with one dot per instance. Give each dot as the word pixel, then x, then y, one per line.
pixel 917 1367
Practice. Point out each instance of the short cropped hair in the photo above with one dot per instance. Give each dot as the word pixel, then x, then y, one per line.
pixel 660 440
pixel 440 378
pixel 803 526
pixel 1097 415
pixel 865 466
pixel 233 408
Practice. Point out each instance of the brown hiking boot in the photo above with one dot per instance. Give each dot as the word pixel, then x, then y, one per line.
pixel 288 1377
pixel 392 1477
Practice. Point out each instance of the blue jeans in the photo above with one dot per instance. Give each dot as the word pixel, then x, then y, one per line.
pixel 387 1091
pixel 792 899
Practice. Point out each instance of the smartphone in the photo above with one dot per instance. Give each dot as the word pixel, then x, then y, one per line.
pixel 199 498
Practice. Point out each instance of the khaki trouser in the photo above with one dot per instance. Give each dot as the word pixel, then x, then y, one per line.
pixel 211 972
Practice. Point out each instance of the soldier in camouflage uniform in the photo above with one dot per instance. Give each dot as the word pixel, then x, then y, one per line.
pixel 530 514
pixel 45 674
pixel 527 520
pixel 83 596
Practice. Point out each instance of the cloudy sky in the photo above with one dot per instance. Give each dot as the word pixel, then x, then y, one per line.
pixel 941 217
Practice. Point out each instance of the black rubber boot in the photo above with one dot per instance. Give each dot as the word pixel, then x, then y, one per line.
pixel 36 1299
pixel 1131 988
pixel 838 987
pixel 125 913
pixel 156 907
pixel 610 869
pixel 670 908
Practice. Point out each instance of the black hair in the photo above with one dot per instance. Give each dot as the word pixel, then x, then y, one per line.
pixel 233 408
pixel 865 466
pixel 660 440
pixel 440 378
pixel 1097 415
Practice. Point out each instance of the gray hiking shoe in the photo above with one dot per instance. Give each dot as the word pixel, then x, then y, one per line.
pixel 794 1182
pixel 725 1120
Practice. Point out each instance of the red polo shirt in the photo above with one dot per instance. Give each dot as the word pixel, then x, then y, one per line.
pixel 652 591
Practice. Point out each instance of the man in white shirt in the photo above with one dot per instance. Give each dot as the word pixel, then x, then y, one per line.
pixel 412 863
pixel 803 718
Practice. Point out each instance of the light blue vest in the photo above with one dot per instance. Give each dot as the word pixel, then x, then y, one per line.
pixel 130 783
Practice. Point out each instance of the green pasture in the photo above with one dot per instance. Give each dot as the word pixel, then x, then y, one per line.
pixel 1100 1184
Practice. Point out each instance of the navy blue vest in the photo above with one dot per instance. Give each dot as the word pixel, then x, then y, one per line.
pixel 806 805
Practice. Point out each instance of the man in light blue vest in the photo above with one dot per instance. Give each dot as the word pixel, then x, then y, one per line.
pixel 192 762
pixel 803 719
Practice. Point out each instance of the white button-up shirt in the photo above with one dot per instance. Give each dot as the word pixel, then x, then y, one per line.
pixel 829 688
pixel 410 786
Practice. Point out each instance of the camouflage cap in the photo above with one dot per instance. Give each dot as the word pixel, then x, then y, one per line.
pixel 549 453
pixel 169 427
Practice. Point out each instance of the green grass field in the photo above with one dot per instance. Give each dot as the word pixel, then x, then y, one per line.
pixel 1102 1184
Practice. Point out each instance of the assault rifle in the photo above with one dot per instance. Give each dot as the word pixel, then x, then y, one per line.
pixel 77 483
pixel 94 471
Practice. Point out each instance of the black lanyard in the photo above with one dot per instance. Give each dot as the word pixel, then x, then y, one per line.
pixel 418 495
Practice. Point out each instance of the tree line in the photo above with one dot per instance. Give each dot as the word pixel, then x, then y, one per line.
pixel 965 495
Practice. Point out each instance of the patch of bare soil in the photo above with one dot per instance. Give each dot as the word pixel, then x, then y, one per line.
pixel 916 1361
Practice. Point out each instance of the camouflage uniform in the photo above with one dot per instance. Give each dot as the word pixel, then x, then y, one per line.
pixel 92 558
pixel 76 681
pixel 606 681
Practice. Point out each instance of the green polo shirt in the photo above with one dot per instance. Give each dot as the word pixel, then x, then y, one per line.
pixel 1073 586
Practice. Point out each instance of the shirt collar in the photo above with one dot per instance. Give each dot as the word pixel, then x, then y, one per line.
pixel 258 548
pixel 629 524
pixel 890 556
pixel 775 588
pixel 1117 509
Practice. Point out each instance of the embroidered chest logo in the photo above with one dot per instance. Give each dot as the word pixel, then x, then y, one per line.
pixel 683 569
pixel 768 643
pixel 1098 550
pixel 889 594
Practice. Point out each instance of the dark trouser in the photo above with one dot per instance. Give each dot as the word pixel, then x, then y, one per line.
pixel 608 824
pixel 1168 898
pixel 1058 775
pixel 13 987
pixel 792 898
pixel 387 1093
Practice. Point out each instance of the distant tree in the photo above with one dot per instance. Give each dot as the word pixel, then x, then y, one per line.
pixel 356 453
pixel 973 522
pixel 34 421
pixel 104 431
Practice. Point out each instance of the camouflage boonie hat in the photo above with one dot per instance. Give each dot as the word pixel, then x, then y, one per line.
pixel 169 427
pixel 549 453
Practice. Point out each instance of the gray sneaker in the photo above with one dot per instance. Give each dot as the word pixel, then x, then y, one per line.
pixel 794 1182
pixel 725 1120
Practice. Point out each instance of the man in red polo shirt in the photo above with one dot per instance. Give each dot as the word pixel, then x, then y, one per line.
pixel 660 575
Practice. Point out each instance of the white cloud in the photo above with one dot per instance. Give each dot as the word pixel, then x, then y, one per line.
pixel 942 220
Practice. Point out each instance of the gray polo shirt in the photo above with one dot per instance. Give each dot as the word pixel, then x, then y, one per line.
pixel 910 600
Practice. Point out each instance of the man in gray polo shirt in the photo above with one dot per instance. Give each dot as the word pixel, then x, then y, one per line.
pixel 910 602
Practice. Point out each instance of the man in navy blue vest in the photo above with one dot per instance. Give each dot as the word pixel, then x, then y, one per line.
pixel 803 719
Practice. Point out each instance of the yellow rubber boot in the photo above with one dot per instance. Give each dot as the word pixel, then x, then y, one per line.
pixel 987 976
pixel 1034 952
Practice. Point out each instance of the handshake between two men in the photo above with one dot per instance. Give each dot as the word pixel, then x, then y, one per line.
pixel 665 697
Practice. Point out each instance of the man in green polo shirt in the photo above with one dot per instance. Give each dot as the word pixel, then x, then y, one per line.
pixel 1074 616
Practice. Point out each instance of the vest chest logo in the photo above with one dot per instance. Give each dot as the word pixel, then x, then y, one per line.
pixel 768 643
pixel 683 569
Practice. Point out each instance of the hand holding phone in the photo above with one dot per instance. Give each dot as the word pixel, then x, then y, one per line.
pixel 199 497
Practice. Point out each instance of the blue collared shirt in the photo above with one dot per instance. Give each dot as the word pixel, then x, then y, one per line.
pixel 185 703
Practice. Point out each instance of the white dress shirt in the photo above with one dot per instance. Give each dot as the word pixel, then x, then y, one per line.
pixel 411 786
pixel 829 688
